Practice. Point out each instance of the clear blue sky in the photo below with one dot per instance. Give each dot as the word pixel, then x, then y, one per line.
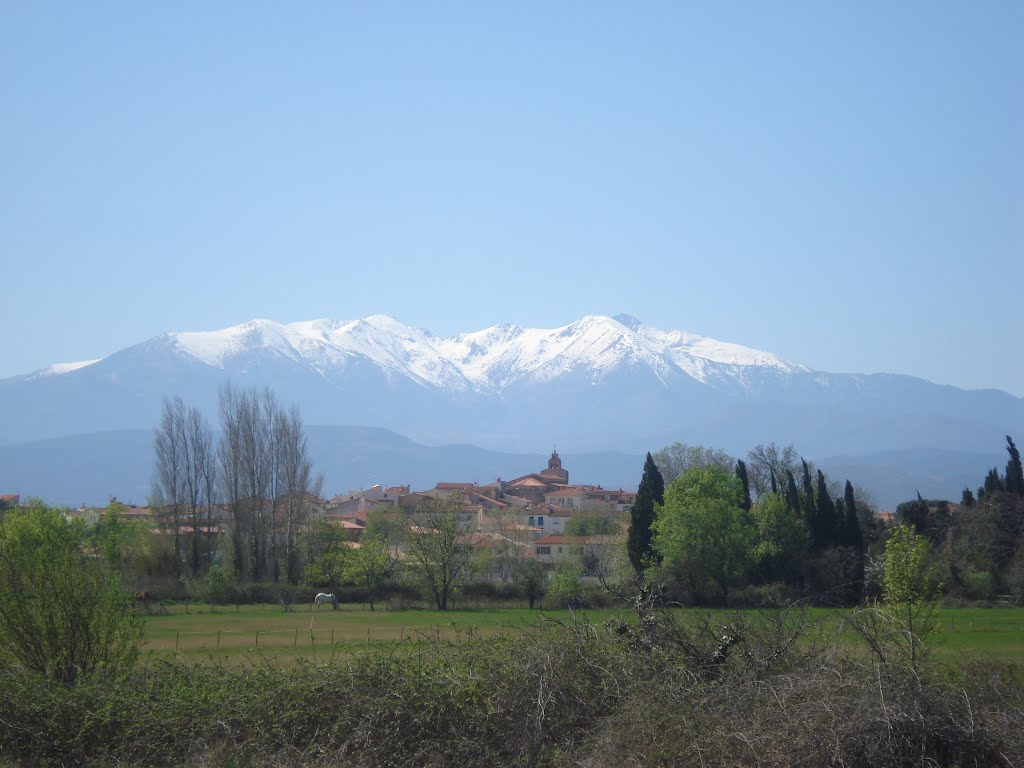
pixel 839 183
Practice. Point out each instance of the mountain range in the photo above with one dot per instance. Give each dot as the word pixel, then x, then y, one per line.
pixel 597 385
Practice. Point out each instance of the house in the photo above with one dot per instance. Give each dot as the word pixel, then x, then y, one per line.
pixel 592 554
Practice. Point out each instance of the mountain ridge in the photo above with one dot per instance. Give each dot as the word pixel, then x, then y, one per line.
pixel 598 383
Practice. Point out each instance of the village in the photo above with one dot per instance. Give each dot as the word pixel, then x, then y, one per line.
pixel 529 517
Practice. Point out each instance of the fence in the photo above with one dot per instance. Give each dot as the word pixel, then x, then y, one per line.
pixel 307 639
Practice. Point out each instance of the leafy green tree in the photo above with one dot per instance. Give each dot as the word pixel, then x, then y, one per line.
pixel 368 566
pixel 910 586
pixel 641 516
pixel 592 525
pixel 702 527
pixel 63 612
pixel 781 538
pixel 567 584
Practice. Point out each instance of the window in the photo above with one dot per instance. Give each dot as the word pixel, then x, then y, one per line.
pixel 543 550
pixel 531 519
pixel 559 550
pixel 540 520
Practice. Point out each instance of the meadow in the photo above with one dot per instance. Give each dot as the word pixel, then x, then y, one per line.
pixel 197 631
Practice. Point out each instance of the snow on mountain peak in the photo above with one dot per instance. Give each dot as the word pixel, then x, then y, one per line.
pixel 487 359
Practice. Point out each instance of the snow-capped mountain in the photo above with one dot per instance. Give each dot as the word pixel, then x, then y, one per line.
pixel 599 383
pixel 483 361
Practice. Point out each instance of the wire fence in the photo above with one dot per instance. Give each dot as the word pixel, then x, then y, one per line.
pixel 306 638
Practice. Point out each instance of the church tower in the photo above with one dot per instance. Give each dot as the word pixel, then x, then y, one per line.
pixel 554 472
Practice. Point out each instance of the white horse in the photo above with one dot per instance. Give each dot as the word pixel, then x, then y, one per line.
pixel 324 597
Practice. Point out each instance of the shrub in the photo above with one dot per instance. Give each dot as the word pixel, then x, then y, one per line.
pixel 63 612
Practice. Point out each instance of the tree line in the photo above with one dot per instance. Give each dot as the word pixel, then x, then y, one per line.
pixel 257 472
pixel 722 524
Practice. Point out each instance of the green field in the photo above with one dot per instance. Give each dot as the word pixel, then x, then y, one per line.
pixel 237 633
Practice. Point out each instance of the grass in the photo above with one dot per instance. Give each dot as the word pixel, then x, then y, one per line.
pixel 227 631
pixel 237 632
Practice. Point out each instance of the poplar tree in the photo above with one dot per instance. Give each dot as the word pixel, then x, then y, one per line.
pixel 641 516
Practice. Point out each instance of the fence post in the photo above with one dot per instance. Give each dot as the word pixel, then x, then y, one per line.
pixel 332 637
pixel 257 638
pixel 218 638
pixel 296 643
pixel 177 636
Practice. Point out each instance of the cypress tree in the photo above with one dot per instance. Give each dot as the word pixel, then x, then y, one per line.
pixel 993 483
pixel 828 529
pixel 1014 471
pixel 792 496
pixel 641 515
pixel 967 499
pixel 809 506
pixel 741 473
pixel 775 485
pixel 851 525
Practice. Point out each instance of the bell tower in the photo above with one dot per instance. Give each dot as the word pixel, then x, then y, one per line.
pixel 554 470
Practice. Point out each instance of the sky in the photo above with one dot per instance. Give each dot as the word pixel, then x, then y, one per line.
pixel 841 184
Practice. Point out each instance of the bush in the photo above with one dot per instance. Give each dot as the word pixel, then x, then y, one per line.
pixel 63 612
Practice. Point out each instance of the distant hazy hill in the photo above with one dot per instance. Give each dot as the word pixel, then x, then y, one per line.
pixel 92 468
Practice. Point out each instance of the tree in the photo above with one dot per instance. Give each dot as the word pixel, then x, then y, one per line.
pixel 792 495
pixel 781 538
pixel 768 464
pixel 741 473
pixel 641 516
pixel 913 513
pixel 532 580
pixel 439 547
pixel 810 508
pixel 702 527
pixel 63 612
pixel 827 518
pixel 591 525
pixel 295 482
pixel 1014 470
pixel 852 537
pixel 169 483
pixel 368 567
pixel 675 459
pixel 910 586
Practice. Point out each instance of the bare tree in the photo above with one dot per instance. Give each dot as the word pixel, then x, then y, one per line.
pixel 169 487
pixel 232 473
pixel 440 548
pixel 767 461
pixel 675 459
pixel 294 483
pixel 197 444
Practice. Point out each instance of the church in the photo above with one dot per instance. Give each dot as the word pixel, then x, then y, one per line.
pixel 534 486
